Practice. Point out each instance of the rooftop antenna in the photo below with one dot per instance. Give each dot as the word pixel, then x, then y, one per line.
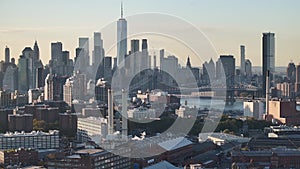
pixel 121 9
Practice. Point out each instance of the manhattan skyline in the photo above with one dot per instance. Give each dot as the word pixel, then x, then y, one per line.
pixel 226 24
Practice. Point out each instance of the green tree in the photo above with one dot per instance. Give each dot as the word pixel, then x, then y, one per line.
pixel 39 125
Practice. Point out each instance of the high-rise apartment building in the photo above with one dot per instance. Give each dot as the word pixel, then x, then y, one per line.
pixel 268 58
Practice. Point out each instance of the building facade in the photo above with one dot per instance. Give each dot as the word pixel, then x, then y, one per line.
pixel 36 140
pixel 268 58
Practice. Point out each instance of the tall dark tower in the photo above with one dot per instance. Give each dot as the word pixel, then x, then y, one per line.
pixel 36 50
pixel 145 56
pixel 291 72
pixel 297 84
pixel 188 63
pixel 268 58
pixel 121 39
pixel 7 55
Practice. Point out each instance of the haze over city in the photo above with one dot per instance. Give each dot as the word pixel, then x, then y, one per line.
pixel 227 24
pixel 149 84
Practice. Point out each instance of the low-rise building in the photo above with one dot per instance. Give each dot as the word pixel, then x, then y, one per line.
pixel 284 112
pixel 275 158
pixel 222 138
pixel 90 158
pixel 22 157
pixel 35 139
pixel 141 113
pixel 283 132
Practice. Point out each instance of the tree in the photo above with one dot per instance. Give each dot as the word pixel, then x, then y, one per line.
pixel 39 125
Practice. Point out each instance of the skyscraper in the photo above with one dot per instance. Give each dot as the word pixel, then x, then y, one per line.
pixel 7 55
pixel 107 68
pixel 36 50
pixel 248 70
pixel 297 85
pixel 56 58
pixel 84 44
pixel 268 58
pixel 49 88
pixel 161 58
pixel 242 67
pixel 98 49
pixel 36 64
pixel 121 39
pixel 56 52
pixel 98 56
pixel 134 56
pixel 135 46
pixel 228 63
pixel 145 55
pixel 23 74
pixel 291 72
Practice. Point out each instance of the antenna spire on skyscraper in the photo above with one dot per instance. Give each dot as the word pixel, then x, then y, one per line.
pixel 121 9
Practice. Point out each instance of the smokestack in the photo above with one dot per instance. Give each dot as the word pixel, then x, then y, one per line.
pixel 124 114
pixel 110 121
pixel 267 92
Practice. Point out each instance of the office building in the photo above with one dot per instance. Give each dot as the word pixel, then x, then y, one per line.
pixel 68 87
pixel 226 65
pixel 7 55
pixel 56 52
pixel 60 63
pixel 101 92
pixel 92 129
pixel 121 39
pixel 268 59
pixel 297 85
pixel 145 61
pixel 161 57
pixel 98 49
pixel 254 108
pixel 291 73
pixel 208 72
pixel 248 70
pixel 24 73
pixel 242 64
pixel 134 55
pixel 108 68
pixel 285 90
pixel 10 78
pixel 35 139
pixel 49 87
pixel 84 44
pixel 40 77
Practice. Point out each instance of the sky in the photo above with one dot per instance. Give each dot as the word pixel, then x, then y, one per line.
pixel 226 24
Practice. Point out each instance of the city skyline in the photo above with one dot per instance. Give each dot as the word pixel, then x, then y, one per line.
pixel 240 25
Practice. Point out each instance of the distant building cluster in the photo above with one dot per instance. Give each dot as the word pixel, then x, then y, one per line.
pixel 76 113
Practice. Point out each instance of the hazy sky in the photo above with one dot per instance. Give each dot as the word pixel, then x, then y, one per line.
pixel 227 24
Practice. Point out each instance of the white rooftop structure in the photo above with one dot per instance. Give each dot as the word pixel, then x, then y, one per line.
pixel 175 143
pixel 221 138
pixel 162 165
